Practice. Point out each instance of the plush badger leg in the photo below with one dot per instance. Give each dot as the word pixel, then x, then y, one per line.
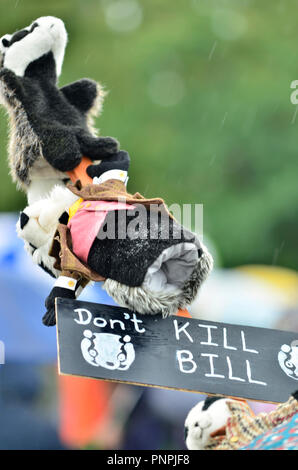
pixel 145 301
pixel 149 274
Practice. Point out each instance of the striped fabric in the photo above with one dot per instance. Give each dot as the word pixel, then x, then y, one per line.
pixel 243 427
pixel 282 437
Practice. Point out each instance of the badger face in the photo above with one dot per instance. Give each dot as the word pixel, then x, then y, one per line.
pixel 44 35
pixel 207 419
pixel 38 223
pixel 37 237
pixel 8 40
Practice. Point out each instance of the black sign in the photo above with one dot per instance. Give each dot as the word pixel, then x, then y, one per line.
pixel 113 343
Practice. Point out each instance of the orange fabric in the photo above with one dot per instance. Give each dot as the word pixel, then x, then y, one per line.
pixel 79 173
pixel 84 408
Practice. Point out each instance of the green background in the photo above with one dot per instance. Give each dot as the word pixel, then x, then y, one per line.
pixel 199 95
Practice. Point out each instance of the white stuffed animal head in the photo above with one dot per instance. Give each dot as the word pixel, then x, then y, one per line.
pixel 38 223
pixel 206 420
pixel 20 49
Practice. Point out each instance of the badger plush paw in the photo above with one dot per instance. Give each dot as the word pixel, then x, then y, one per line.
pixel 108 144
pixel 49 318
pixel 118 161
pixel 97 148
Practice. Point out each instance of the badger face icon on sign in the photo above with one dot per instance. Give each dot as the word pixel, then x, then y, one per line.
pixel 108 350
pixel 288 359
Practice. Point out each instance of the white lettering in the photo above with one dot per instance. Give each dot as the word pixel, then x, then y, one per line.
pixel 251 381
pixel 179 330
pixel 135 321
pixel 244 345
pixel 81 320
pixel 100 322
pixel 231 371
pixel 225 344
pixel 187 359
pixel 294 94
pixel 209 342
pixel 212 374
pixel 112 322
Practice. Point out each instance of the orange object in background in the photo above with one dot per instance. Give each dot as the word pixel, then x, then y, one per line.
pixel 183 313
pixel 84 408
pixel 79 173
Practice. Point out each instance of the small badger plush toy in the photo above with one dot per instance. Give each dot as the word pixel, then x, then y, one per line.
pixel 51 128
pixel 220 423
pixel 205 421
pixel 147 261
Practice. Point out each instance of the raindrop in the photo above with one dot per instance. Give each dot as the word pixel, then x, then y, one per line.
pixel 277 252
pixel 212 50
pixel 87 59
pixel 223 120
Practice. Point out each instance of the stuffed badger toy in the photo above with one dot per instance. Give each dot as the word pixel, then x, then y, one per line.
pixel 220 423
pixel 147 261
pixel 51 128
pixel 51 131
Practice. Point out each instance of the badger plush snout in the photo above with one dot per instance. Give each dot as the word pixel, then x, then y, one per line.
pixel 37 241
pixel 38 222
pixel 31 231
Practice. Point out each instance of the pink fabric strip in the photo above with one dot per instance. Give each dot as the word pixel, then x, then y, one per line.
pixel 86 223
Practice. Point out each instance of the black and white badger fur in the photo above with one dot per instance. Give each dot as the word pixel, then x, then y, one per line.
pixel 50 128
pixel 205 419
pixel 37 226
pixel 38 223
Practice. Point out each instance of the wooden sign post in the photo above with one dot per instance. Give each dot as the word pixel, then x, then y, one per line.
pixel 113 343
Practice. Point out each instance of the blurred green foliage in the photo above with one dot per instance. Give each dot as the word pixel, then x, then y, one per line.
pixel 227 135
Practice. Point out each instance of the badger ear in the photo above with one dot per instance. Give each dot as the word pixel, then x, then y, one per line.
pixel 5 42
pixel 210 400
